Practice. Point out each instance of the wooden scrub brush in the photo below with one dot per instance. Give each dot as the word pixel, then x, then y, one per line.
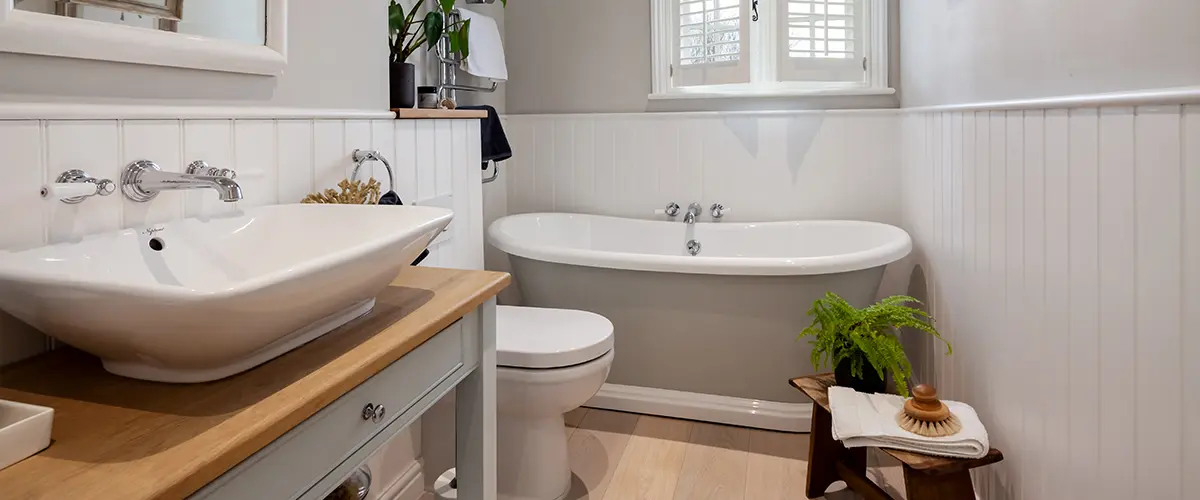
pixel 352 193
pixel 927 416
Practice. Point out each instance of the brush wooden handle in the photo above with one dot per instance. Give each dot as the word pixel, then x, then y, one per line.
pixel 925 406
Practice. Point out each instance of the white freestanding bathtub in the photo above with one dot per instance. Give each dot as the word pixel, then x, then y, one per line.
pixel 710 336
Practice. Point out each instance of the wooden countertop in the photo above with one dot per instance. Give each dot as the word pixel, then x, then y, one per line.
pixel 431 114
pixel 118 438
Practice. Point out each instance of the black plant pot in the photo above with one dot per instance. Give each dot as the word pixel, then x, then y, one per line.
pixel 869 383
pixel 404 85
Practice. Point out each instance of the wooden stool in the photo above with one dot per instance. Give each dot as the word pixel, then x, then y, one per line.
pixel 925 477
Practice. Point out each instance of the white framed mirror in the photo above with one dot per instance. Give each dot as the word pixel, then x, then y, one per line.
pixel 237 36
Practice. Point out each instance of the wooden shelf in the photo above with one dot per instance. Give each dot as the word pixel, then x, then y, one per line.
pixel 120 438
pixel 439 114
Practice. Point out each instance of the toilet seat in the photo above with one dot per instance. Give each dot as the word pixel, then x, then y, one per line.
pixel 542 338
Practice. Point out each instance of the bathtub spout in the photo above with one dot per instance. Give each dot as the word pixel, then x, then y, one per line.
pixel 693 211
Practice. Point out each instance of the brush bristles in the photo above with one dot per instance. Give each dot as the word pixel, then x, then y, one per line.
pixel 948 427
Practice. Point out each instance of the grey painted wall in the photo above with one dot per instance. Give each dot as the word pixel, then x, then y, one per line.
pixel 337 58
pixel 962 51
pixel 577 56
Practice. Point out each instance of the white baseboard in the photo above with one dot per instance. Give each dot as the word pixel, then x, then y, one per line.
pixel 409 486
pixel 769 415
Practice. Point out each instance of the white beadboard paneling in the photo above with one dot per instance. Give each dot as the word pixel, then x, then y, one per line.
pixel 605 173
pixel 22 153
pixel 256 162
pixel 443 138
pixel 1075 275
pixel 1117 288
pixel 1057 344
pixel 1083 305
pixel 1159 382
pixel 330 155
pixel 967 259
pixel 1034 280
pixel 211 141
pixel 543 170
pixel 405 162
pixel 583 187
pixel 1010 389
pixel 295 153
pixel 563 162
pixel 158 141
pixel 519 175
pixel 91 146
pixel 1190 347
pixel 471 224
pixel 426 160
pixel 383 140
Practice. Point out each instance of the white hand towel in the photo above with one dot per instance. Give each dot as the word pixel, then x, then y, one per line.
pixel 870 420
pixel 486 57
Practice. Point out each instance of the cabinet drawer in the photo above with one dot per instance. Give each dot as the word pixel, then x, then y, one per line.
pixel 294 462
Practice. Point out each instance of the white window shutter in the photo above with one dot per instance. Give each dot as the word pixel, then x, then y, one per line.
pixel 711 41
pixel 822 40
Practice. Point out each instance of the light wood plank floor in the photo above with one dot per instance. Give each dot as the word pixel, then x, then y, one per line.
pixel 623 456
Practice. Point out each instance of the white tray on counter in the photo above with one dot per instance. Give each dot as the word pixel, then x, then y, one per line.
pixel 24 431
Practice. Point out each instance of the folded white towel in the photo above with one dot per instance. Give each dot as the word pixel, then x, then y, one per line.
pixel 486 59
pixel 870 420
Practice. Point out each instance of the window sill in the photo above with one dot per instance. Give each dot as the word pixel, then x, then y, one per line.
pixel 770 93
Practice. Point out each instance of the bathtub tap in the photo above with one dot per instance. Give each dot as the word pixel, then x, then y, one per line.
pixel 693 212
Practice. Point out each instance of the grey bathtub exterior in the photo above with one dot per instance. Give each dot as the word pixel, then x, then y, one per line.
pixel 710 334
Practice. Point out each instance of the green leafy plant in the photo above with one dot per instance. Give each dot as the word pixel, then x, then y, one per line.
pixel 867 337
pixel 407 33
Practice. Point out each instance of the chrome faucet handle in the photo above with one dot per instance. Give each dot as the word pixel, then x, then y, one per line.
pixel 201 167
pixel 671 210
pixel 102 187
pixel 718 210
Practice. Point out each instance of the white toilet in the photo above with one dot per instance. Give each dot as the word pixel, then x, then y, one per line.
pixel 550 361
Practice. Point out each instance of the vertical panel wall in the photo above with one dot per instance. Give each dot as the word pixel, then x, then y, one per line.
pixel 1061 249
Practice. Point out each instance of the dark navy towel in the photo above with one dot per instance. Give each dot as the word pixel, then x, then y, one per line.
pixel 494 145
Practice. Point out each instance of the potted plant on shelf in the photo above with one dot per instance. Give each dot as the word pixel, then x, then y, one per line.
pixel 407 34
pixel 862 345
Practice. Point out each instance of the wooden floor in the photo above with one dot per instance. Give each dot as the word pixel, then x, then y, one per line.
pixel 623 456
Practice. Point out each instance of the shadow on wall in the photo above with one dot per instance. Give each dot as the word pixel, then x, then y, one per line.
pixel 920 347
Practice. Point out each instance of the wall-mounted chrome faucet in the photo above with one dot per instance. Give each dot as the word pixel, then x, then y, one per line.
pixel 142 180
pixel 718 210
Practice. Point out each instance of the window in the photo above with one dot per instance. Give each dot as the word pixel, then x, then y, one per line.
pixel 770 47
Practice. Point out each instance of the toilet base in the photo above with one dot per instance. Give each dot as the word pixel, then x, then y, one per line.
pixel 532 461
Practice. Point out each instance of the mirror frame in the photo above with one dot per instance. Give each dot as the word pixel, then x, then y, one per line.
pixel 58 36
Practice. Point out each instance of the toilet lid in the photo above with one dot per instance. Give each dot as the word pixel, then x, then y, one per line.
pixel 532 337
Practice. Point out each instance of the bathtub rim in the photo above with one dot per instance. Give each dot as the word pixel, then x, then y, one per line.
pixel 880 255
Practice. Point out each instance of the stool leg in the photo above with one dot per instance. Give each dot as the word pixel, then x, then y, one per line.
pixel 824 452
pixel 953 486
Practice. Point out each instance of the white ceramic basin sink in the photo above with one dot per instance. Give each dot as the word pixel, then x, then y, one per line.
pixel 198 300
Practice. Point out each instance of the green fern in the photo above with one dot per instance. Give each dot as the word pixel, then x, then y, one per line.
pixel 867 336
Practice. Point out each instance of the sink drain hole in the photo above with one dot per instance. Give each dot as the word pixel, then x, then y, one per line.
pixel 157 244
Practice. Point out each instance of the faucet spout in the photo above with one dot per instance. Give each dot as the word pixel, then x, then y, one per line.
pixel 143 180
pixel 692 212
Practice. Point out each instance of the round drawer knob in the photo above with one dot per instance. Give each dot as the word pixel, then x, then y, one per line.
pixel 380 412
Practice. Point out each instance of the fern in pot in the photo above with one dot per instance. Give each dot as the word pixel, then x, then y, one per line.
pixel 862 345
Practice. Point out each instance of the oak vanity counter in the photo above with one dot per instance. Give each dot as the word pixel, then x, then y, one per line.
pixel 128 439
pixel 438 114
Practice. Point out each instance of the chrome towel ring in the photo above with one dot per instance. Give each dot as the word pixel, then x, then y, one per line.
pixel 361 157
